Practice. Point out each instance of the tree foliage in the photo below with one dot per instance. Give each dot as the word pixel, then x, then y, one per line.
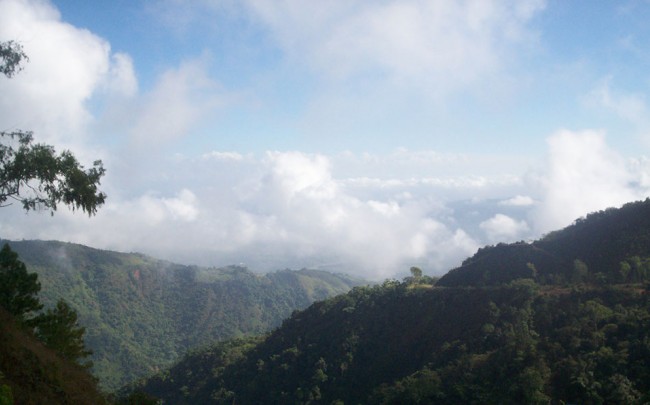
pixel 37 177
pixel 33 174
pixel 18 288
pixel 59 330
pixel 11 56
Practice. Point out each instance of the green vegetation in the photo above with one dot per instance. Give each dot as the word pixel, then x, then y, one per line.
pixel 11 57
pixel 35 176
pixel 18 288
pixel 47 370
pixel 143 314
pixel 391 344
pixel 508 328
pixel 58 329
pixel 142 307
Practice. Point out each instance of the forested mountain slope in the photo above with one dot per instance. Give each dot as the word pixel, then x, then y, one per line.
pixel 400 344
pixel 141 314
pixel 562 320
pixel 594 246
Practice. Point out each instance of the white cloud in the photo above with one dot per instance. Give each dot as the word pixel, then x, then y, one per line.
pixel 223 156
pixel 180 100
pixel 518 201
pixel 289 209
pixel 297 173
pixel 283 209
pixel 50 95
pixel 121 79
pixel 583 175
pixel 502 228
pixel 440 41
pixel 631 107
pixel 182 207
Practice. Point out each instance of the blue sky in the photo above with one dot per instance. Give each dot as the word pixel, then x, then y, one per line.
pixel 361 136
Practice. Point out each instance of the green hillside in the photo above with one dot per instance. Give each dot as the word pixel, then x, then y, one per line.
pixel 562 320
pixel 394 344
pixel 141 314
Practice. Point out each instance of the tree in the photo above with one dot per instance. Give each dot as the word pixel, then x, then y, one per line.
pixel 34 174
pixel 37 177
pixel 58 329
pixel 18 288
pixel 416 275
pixel 11 56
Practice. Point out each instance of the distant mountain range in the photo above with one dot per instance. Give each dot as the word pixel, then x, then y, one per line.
pixel 141 314
pixel 565 319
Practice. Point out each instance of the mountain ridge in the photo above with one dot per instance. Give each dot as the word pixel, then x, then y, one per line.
pixel 519 323
pixel 142 313
pixel 601 241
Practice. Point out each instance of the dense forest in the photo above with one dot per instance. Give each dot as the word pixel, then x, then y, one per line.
pixel 561 320
pixel 141 314
pixel 400 343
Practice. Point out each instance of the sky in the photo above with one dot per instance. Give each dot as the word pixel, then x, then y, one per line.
pixel 354 136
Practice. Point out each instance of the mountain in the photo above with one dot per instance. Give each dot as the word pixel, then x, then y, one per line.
pixel 601 241
pixel 516 343
pixel 561 320
pixel 141 313
pixel 33 374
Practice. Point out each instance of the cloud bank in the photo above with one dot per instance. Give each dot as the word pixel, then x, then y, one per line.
pixel 288 209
